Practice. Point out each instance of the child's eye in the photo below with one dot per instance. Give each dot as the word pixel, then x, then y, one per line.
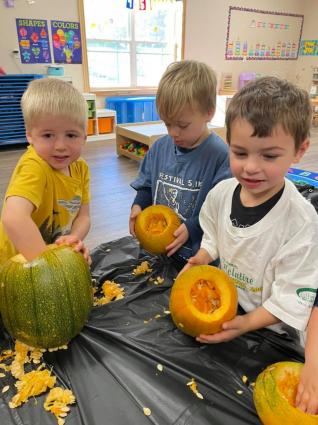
pixel 183 126
pixel 47 135
pixel 239 154
pixel 270 157
pixel 71 135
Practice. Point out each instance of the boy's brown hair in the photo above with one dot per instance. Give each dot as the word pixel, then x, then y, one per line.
pixel 55 97
pixel 186 83
pixel 268 101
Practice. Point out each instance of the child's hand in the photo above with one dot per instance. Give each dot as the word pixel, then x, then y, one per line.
pixel 307 393
pixel 181 236
pixel 135 210
pixel 76 244
pixel 192 261
pixel 231 329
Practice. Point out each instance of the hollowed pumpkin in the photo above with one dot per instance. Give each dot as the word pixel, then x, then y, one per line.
pixel 155 226
pixel 274 396
pixel 202 299
pixel 45 302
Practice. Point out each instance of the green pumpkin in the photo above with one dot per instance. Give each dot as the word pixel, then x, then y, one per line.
pixel 45 302
pixel 275 393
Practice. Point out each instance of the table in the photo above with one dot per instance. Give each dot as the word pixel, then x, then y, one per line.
pixel 112 365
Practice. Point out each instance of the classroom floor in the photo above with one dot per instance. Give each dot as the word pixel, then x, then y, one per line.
pixel 110 178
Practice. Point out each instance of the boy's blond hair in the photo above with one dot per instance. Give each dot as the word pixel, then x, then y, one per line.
pixel 186 83
pixel 267 102
pixel 55 97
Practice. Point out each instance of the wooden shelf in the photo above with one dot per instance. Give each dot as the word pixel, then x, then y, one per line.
pixel 147 133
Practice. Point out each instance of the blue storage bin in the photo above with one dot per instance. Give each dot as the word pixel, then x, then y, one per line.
pixel 133 109
pixel 12 87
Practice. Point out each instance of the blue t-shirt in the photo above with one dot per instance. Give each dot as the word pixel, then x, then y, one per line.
pixel 182 180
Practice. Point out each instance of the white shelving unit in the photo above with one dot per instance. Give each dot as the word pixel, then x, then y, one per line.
pixel 101 122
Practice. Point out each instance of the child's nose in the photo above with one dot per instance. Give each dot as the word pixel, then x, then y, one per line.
pixel 59 143
pixel 251 165
pixel 173 131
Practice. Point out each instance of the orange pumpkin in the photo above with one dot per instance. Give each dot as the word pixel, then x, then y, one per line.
pixel 202 299
pixel 274 396
pixel 155 226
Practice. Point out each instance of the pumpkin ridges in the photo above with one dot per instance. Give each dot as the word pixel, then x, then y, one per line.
pixel 47 314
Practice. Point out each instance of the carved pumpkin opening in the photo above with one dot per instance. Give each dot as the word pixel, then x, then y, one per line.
pixel 156 224
pixel 205 296
pixel 287 385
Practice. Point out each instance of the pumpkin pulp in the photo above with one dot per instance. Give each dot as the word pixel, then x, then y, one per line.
pixel 205 296
pixel 287 385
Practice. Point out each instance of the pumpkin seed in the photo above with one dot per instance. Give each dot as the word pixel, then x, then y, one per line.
pixel 147 411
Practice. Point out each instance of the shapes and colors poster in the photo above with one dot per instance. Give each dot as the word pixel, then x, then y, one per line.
pixel 33 40
pixel 66 40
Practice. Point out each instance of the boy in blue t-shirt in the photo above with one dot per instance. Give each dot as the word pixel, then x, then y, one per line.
pixel 181 168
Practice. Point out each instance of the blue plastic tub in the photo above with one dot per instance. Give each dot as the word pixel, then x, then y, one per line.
pixel 133 109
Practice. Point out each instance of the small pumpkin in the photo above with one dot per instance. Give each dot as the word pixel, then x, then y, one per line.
pixel 155 226
pixel 274 395
pixel 45 302
pixel 202 299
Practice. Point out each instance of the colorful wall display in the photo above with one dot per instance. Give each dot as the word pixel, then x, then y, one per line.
pixel 33 40
pixel 66 40
pixel 308 48
pixel 254 34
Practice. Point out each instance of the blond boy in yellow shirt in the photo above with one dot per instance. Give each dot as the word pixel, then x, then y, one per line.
pixel 47 199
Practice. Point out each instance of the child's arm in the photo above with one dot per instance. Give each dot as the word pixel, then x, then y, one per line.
pixel 21 229
pixel 256 319
pixel 307 394
pixel 79 230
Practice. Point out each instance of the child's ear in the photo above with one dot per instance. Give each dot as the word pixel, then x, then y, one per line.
pixel 28 136
pixel 301 150
pixel 210 114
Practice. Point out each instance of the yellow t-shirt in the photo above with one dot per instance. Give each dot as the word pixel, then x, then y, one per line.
pixel 57 197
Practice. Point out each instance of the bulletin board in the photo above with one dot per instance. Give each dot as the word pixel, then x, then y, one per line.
pixel 254 34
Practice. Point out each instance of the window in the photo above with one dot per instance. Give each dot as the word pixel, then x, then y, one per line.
pixel 131 48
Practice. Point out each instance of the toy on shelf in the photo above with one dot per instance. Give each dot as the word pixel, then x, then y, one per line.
pixel 135 148
pixel 226 86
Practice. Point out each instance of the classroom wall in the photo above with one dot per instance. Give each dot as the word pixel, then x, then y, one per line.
pixel 206 29
pixel 206 26
pixel 41 9
pixel 305 64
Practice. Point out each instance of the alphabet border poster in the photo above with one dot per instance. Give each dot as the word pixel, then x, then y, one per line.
pixel 33 40
pixel 66 40
pixel 254 34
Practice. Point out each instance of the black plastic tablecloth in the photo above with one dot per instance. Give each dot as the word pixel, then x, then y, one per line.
pixel 111 366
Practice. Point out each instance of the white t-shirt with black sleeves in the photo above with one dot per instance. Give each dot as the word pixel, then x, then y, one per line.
pixel 274 261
